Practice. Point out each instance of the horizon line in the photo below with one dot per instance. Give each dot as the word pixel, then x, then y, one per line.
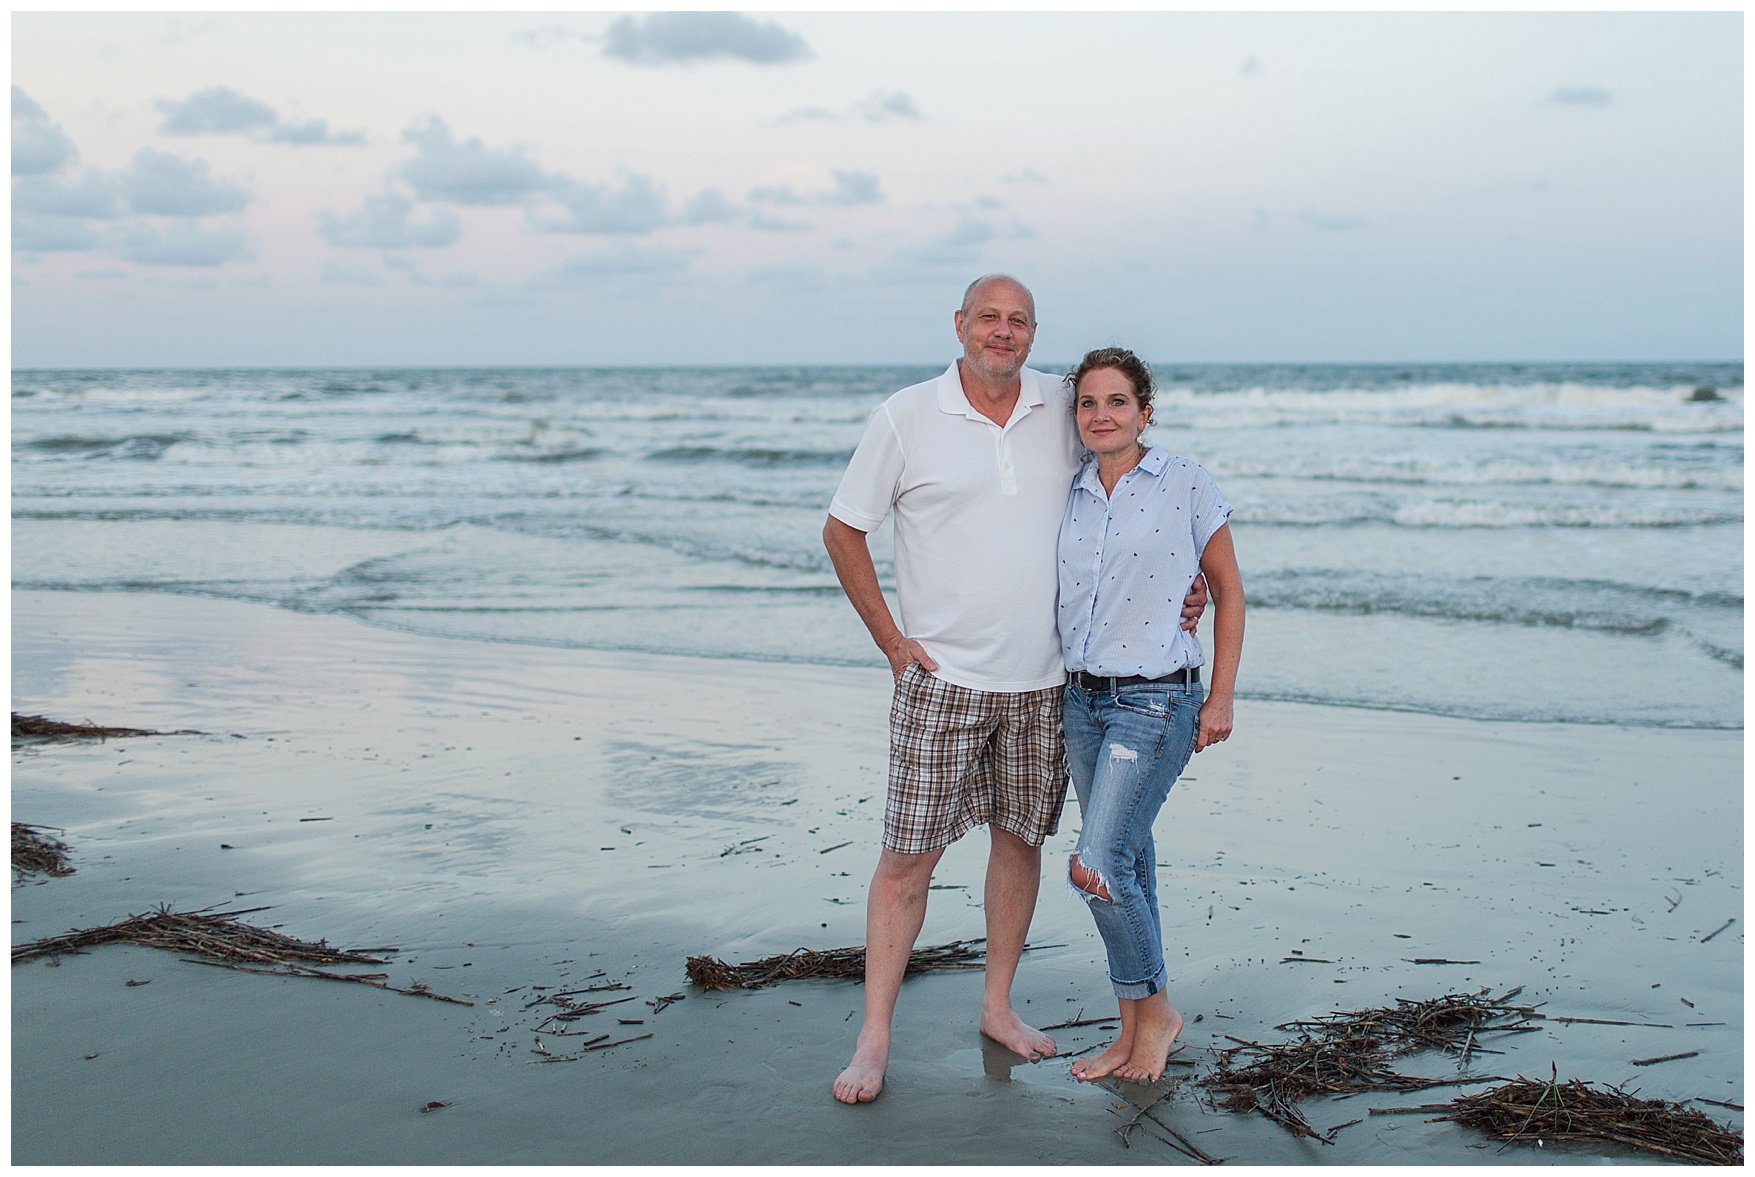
pixel 534 367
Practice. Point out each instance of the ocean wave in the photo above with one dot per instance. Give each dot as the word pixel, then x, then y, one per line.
pixel 1471 513
pixel 144 447
pixel 1474 513
pixel 752 456
pixel 1544 602
pixel 1465 471
pixel 1457 405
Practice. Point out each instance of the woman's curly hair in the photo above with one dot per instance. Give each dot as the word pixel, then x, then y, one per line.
pixel 1129 365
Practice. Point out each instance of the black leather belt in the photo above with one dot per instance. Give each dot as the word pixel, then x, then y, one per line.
pixel 1094 682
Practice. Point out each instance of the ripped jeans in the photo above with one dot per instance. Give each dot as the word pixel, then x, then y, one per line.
pixel 1125 748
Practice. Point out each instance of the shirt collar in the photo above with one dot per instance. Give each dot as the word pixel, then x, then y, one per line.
pixel 952 400
pixel 1154 463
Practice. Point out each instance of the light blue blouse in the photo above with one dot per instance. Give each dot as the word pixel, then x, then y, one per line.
pixel 1126 561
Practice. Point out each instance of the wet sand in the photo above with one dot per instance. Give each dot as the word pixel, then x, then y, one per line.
pixel 514 816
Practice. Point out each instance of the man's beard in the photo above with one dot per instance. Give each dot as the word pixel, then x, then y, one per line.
pixel 987 368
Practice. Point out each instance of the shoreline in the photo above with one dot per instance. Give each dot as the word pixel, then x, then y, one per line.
pixel 474 791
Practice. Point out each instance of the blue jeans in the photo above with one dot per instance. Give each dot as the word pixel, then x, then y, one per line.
pixel 1124 750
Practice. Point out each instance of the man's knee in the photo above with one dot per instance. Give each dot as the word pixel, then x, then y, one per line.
pixel 1087 879
pixel 905 871
pixel 1010 845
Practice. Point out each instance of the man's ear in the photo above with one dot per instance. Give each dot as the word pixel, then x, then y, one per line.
pixel 957 323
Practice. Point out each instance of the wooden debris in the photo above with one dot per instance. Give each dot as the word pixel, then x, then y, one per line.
pixel 38 727
pixel 221 939
pixel 1351 1051
pixel 1176 1140
pixel 838 963
pixel 1525 1110
pixel 1663 1058
pixel 35 852
pixel 1717 930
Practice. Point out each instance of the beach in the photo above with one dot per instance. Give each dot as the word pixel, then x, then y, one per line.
pixel 512 815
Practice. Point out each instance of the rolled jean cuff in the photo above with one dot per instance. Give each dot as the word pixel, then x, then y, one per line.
pixel 1134 990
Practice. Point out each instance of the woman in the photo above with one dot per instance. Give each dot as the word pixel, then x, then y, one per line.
pixel 1139 526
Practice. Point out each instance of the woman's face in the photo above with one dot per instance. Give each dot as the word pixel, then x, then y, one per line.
pixel 1108 413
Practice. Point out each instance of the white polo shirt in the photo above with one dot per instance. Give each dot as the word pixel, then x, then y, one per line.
pixel 978 510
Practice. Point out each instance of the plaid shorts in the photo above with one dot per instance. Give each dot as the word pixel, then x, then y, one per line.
pixel 961 757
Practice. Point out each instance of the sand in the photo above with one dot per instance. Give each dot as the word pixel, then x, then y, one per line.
pixel 513 816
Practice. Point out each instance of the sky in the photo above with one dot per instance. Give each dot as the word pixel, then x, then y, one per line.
pixel 255 189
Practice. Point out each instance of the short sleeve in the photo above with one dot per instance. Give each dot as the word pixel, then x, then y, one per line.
pixel 1209 506
pixel 868 487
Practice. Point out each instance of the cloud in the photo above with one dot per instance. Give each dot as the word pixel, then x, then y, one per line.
pixel 960 246
pixel 963 245
pixel 853 188
pixel 159 182
pixel 807 114
pixel 38 146
pixel 347 274
pixel 707 207
pixel 1581 96
pixel 1331 222
pixel 761 220
pixel 312 131
pixel 91 195
pixel 468 172
pixel 637 207
pixel 622 260
pixel 385 222
pixel 34 233
pixel 216 110
pixel 220 110
pixel 1025 175
pixel 880 106
pixel 668 38
pixel 776 194
pixel 1249 66
pixel 107 274
pixel 850 187
pixel 887 104
pixel 179 243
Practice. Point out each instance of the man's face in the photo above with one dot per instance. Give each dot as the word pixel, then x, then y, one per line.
pixel 997 330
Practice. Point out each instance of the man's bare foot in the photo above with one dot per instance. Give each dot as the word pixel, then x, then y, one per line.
pixel 864 1076
pixel 1114 1055
pixel 1154 1034
pixel 1010 1031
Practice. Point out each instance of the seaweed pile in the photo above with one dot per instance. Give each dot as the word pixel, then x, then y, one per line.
pixel 221 939
pixel 38 727
pixel 848 964
pixel 1576 1112
pixel 1350 1052
pixel 35 852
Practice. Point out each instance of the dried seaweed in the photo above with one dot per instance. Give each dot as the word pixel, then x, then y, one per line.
pixel 837 963
pixel 1348 1052
pixel 1524 1110
pixel 221 939
pixel 35 852
pixel 40 727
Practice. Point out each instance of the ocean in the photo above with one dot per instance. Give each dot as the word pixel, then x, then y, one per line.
pixel 1532 542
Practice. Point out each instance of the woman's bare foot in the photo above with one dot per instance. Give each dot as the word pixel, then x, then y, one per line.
pixel 1155 1033
pixel 1012 1032
pixel 864 1076
pixel 1114 1055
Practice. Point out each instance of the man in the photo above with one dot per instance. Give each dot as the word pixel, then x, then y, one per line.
pixel 976 465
